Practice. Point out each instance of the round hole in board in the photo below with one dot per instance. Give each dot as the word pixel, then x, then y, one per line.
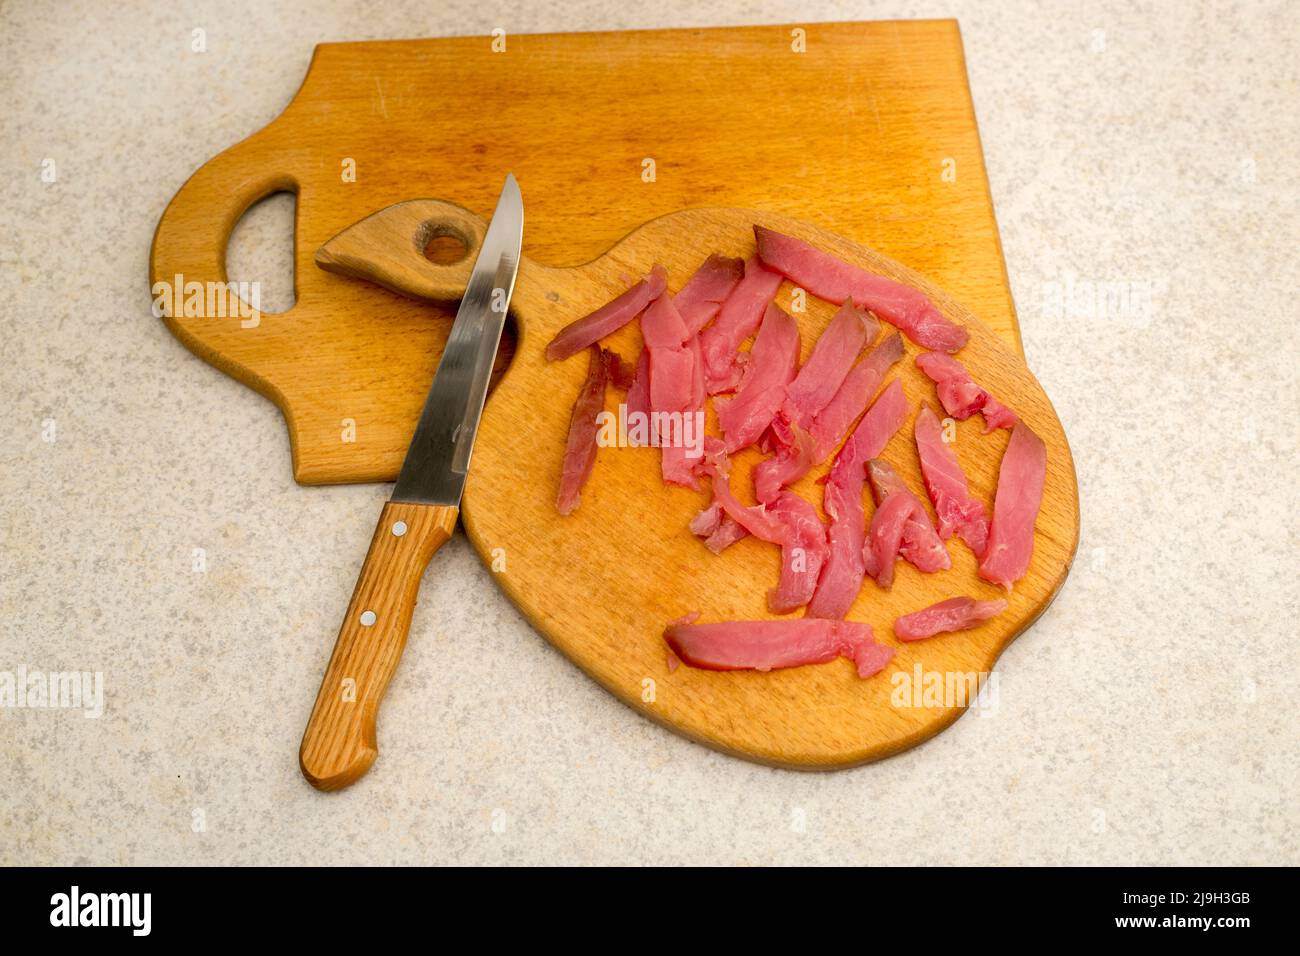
pixel 368 618
pixel 445 248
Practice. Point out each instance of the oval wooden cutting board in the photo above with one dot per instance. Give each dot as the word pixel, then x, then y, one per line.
pixel 602 583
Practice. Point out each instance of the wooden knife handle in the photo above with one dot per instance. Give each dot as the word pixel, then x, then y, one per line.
pixel 339 743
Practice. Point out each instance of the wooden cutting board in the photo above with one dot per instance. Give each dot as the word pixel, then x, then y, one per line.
pixel 868 133
pixel 602 583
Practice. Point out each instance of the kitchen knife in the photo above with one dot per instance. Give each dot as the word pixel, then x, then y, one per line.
pixel 339 743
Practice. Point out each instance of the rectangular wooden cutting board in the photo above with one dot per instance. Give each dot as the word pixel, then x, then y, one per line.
pixel 865 129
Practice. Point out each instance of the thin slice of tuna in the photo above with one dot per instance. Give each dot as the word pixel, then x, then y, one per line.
pixel 621 373
pixel 832 422
pixel 580 449
pixel 770 645
pixel 960 396
pixel 789 522
pixel 921 544
pixel 702 296
pixel 959 511
pixel 842 502
pixel 638 393
pixel 676 391
pixel 774 358
pixel 737 320
pixel 954 614
pixel 834 280
pixel 832 357
pixel 1015 508
pixel 609 318
pixel 794 458
pixel 884 538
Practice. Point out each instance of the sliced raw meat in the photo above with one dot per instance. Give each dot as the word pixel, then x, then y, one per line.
pixel 662 325
pixel 795 456
pixel 638 393
pixel 621 374
pixel 1015 508
pixel 769 645
pixel 921 544
pixel 609 318
pixel 789 522
pixel 833 421
pixel 960 396
pixel 842 502
pixel 705 291
pixel 959 512
pixel 739 316
pixel 772 364
pixel 803 552
pixel 834 280
pixel 821 376
pixel 954 614
pixel 884 538
pixel 580 449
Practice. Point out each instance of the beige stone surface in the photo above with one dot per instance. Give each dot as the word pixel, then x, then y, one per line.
pixel 1143 157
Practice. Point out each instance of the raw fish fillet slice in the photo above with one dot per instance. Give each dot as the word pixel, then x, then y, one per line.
pixel 954 614
pixel 832 422
pixel 609 318
pixel 702 296
pixel 769 645
pixel 773 361
pixel 1015 508
pixel 739 316
pixel 832 357
pixel 960 396
pixel 662 326
pixel 580 449
pixel 803 552
pixel 842 501
pixel 794 458
pixel 958 511
pixel 884 538
pixel 921 544
pixel 834 280
pixel 638 393
pixel 621 374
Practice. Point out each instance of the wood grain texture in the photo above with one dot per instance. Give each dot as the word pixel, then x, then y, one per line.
pixel 339 744
pixel 601 584
pixel 852 134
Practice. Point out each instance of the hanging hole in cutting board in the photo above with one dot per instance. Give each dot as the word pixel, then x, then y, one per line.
pixel 445 249
pixel 260 252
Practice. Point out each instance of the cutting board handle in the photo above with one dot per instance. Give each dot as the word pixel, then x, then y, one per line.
pixel 339 744
pixel 387 248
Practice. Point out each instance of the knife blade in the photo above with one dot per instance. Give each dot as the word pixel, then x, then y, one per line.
pixel 339 744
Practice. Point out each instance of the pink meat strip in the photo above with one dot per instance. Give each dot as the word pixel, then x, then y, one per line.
pixel 675 386
pixel 832 357
pixel 834 280
pixel 1015 508
pixel 792 461
pixel 789 522
pixel 702 296
pixel 621 374
pixel 770 645
pixel 921 544
pixel 638 393
pixel 884 538
pixel 816 384
pixel 739 316
pixel 842 502
pixel 958 510
pixel 609 318
pixel 833 421
pixel 954 614
pixel 718 529
pixel 773 361
pixel 580 449
pixel 960 396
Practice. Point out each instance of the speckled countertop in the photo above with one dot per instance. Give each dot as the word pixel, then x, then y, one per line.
pixel 1150 716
